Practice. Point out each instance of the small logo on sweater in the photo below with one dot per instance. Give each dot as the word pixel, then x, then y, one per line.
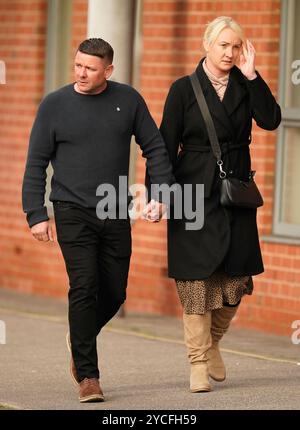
pixel 2 332
pixel 118 109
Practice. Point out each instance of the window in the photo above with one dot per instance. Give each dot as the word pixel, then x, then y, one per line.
pixel 287 198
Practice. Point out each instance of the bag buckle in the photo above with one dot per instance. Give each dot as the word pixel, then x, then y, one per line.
pixel 222 173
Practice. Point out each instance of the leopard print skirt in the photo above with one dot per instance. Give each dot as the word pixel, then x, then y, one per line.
pixel 200 296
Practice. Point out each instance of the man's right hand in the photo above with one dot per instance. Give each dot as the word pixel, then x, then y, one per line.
pixel 43 231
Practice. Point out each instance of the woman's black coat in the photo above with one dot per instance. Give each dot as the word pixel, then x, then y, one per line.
pixel 228 237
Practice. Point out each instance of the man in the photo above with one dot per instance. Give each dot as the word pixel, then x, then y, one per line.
pixel 85 129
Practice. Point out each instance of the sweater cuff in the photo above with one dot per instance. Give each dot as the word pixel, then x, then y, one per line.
pixel 36 216
pixel 163 193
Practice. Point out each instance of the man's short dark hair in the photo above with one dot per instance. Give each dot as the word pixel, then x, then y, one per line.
pixel 98 47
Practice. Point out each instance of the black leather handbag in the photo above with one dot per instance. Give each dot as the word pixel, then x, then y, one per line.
pixel 233 191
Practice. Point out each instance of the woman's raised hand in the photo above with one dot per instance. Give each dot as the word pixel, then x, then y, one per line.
pixel 247 61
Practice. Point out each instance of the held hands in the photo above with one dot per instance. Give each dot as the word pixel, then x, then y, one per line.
pixel 154 211
pixel 247 61
pixel 43 232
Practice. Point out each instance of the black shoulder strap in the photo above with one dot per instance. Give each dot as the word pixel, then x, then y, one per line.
pixel 213 138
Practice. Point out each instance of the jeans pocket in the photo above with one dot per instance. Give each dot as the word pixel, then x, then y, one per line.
pixel 124 242
pixel 62 206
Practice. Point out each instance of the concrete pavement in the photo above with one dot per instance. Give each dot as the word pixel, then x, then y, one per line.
pixel 143 364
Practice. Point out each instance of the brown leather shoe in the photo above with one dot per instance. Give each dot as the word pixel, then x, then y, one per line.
pixel 90 391
pixel 73 371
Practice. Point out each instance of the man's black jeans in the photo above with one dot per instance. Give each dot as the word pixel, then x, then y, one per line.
pixel 97 255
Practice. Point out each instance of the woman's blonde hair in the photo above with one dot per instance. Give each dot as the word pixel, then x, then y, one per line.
pixel 214 28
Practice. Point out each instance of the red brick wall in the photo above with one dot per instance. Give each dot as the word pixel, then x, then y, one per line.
pixel 172 47
pixel 25 264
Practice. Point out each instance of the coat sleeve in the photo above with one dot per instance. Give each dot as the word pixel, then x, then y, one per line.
pixel 172 122
pixel 41 147
pixel 265 111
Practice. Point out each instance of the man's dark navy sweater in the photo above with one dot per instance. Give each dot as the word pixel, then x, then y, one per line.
pixel 87 139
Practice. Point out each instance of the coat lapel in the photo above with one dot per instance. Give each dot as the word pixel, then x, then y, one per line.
pixel 235 91
pixel 234 94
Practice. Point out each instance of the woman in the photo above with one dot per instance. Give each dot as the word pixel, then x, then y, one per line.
pixel 213 266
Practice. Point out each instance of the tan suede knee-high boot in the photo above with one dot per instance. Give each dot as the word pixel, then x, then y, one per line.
pixel 197 338
pixel 220 321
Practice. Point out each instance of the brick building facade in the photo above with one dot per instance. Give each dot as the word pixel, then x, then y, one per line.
pixel 171 47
